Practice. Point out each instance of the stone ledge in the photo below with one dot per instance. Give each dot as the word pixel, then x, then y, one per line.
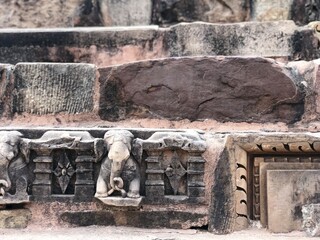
pixel 110 46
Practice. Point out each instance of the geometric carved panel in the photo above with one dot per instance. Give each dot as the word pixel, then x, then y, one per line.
pixel 174 174
pixel 174 167
pixel 63 179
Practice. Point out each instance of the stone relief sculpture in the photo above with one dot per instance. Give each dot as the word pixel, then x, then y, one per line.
pixel 13 168
pixel 64 165
pixel 174 166
pixel 119 171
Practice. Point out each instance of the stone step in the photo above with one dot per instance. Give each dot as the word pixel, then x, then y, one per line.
pixel 282 40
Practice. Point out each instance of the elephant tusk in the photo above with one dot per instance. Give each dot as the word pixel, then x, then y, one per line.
pixel 110 191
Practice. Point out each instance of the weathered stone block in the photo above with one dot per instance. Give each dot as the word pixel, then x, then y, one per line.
pixel 311 219
pixel 40 13
pixel 43 88
pixel 126 13
pixel 305 11
pixel 271 10
pixel 15 218
pixel 106 46
pixel 244 39
pixel 267 166
pixel 288 191
pixel 6 85
pixel 144 219
pixel 221 88
pixel 168 11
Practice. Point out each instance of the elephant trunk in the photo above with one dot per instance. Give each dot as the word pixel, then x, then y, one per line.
pixel 4 185
pixel 117 184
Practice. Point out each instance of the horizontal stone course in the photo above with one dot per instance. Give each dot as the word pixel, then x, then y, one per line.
pixel 225 89
pixel 110 46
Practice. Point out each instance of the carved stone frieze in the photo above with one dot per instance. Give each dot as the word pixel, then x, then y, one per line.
pixel 64 164
pixel 117 169
pixel 174 166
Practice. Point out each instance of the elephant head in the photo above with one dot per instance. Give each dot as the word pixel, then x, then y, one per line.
pixel 9 153
pixel 119 147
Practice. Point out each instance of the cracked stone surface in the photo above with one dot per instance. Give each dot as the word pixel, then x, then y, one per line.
pixel 221 88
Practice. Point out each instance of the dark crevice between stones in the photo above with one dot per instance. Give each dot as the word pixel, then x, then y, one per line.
pixel 220 213
pixel 304 45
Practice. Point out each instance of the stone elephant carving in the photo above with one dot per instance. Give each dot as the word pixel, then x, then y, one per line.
pixel 13 163
pixel 119 170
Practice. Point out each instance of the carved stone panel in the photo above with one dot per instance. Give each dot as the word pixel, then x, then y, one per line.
pixel 174 167
pixel 64 165
pixel 119 173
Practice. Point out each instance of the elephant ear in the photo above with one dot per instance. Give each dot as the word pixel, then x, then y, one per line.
pixel 99 148
pixel 25 149
pixel 137 149
pixel 109 138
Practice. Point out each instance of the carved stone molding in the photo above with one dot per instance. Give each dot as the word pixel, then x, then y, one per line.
pixel 254 157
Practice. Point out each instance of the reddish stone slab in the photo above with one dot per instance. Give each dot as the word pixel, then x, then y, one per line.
pixel 221 88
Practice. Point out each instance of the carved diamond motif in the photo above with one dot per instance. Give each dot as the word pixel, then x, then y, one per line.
pixel 175 171
pixel 64 172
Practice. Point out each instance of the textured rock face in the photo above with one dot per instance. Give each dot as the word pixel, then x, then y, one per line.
pixel 271 10
pixel 38 13
pixel 142 219
pixel 173 11
pixel 17 218
pixel 288 191
pixel 43 88
pixel 222 88
pixel 126 13
pixel 305 11
pixel 311 214
pixel 71 13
